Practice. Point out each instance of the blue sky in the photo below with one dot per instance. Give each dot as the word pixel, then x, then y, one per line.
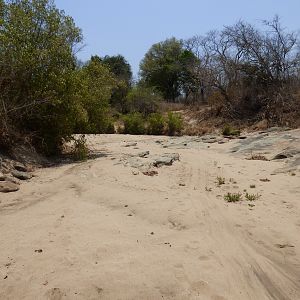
pixel 130 27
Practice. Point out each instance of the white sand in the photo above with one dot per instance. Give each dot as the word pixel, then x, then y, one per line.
pixel 108 234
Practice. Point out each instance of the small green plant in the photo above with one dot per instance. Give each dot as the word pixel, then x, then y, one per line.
pixel 252 186
pixel 233 197
pixel 134 124
pixel 252 197
pixel 156 124
pixel 80 151
pixel 175 123
pixel 220 180
pixel 230 131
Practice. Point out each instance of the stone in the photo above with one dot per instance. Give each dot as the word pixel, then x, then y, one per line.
pixel 8 187
pixel 130 145
pixel 166 159
pixel 2 177
pixel 150 173
pixel 20 167
pixel 21 175
pixel 286 154
pixel 143 154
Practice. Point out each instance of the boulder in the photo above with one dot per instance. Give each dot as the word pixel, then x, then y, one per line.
pixel 21 175
pixel 8 187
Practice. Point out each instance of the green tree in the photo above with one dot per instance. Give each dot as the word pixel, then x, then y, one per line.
pixel 122 72
pixel 38 43
pixel 165 67
pixel 94 85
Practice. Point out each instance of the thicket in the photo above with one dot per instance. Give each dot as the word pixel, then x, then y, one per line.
pixel 45 95
pixel 242 72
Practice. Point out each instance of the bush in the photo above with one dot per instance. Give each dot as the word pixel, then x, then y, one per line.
pixel 80 151
pixel 229 130
pixel 134 123
pixel 156 124
pixel 175 124
pixel 143 100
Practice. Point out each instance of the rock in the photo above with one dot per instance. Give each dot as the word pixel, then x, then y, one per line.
pixel 135 173
pixel 8 187
pixel 150 173
pixel 130 145
pixel 210 139
pixel 286 154
pixel 143 154
pixel 12 179
pixel 166 159
pixel 21 175
pixel 20 167
pixel 2 177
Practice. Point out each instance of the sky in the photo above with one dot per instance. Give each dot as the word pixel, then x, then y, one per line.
pixel 130 27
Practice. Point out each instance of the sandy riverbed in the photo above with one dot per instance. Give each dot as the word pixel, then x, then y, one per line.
pixel 102 229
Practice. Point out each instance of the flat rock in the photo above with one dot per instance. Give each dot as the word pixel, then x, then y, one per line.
pixel 166 159
pixel 20 167
pixel 8 187
pixel 130 145
pixel 21 175
pixel 286 154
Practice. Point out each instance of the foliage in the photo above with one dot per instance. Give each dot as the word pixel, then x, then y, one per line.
pixel 220 180
pixel 252 197
pixel 165 67
pixel 43 93
pixel 94 88
pixel 233 197
pixel 156 124
pixel 175 123
pixel 80 151
pixel 143 100
pixel 134 123
pixel 121 70
pixel 230 131
pixel 37 60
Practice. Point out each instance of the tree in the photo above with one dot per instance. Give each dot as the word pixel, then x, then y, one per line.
pixel 94 88
pixel 121 70
pixel 165 67
pixel 37 60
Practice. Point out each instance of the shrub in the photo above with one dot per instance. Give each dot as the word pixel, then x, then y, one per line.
pixel 233 197
pixel 156 124
pixel 220 180
pixel 143 100
pixel 80 151
pixel 175 124
pixel 252 197
pixel 134 123
pixel 229 130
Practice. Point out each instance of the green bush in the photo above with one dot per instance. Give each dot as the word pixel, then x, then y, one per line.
pixel 175 123
pixel 156 124
pixel 229 130
pixel 134 123
pixel 143 100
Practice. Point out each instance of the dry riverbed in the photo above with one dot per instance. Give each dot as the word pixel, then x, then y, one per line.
pixel 147 219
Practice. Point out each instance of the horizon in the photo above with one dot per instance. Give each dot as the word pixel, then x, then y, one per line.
pixel 132 28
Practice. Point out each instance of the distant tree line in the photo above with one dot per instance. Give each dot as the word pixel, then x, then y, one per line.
pixel 47 95
pixel 241 71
